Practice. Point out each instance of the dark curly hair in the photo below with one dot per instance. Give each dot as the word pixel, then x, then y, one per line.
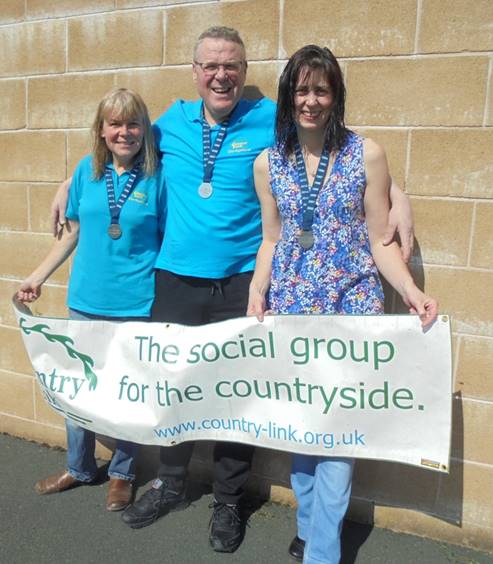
pixel 310 57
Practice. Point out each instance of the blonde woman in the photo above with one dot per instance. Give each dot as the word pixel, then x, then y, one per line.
pixel 115 221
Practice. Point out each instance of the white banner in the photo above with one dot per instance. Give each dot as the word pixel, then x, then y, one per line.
pixel 357 386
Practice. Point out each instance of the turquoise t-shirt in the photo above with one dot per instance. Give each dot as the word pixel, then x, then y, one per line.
pixel 114 277
pixel 218 236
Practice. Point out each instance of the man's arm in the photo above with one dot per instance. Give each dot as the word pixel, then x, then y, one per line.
pixel 58 207
pixel 400 221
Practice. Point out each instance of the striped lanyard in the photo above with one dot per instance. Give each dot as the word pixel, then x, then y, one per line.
pixel 309 194
pixel 117 205
pixel 210 153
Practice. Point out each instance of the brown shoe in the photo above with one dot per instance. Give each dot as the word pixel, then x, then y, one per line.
pixel 56 483
pixel 119 494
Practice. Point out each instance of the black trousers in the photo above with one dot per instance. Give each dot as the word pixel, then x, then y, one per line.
pixel 198 301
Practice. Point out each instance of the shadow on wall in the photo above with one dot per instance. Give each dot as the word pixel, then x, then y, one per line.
pixel 398 485
pixel 252 92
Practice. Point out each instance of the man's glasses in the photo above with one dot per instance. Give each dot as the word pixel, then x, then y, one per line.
pixel 232 68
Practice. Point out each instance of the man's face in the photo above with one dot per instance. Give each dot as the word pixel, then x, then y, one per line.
pixel 220 86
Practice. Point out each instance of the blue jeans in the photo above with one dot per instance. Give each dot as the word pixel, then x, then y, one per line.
pixel 81 443
pixel 322 487
pixel 81 463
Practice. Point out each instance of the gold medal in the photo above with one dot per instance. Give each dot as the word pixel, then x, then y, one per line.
pixel 115 231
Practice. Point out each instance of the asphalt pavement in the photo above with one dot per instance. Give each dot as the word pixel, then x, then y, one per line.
pixel 74 527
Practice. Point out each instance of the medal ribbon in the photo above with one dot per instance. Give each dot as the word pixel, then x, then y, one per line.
pixel 309 195
pixel 210 154
pixel 116 206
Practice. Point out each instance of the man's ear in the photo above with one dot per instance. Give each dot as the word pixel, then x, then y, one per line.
pixel 194 72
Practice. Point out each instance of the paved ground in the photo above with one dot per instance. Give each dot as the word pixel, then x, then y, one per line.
pixel 75 528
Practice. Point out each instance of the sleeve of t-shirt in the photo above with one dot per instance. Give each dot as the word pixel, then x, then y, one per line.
pixel 75 191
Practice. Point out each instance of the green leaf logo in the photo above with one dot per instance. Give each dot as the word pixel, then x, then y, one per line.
pixel 66 343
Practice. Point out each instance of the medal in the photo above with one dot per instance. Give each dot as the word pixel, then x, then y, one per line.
pixel 305 239
pixel 115 231
pixel 309 194
pixel 205 190
pixel 210 153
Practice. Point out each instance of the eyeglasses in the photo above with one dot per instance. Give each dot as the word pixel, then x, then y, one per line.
pixel 231 68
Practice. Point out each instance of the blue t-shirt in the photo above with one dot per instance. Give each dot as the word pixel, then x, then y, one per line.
pixel 114 277
pixel 218 236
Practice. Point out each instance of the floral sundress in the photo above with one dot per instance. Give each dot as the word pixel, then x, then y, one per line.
pixel 337 275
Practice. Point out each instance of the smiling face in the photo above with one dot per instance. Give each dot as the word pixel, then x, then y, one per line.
pixel 123 138
pixel 222 89
pixel 313 100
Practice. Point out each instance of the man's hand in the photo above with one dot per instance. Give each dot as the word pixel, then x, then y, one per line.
pixel 58 207
pixel 401 222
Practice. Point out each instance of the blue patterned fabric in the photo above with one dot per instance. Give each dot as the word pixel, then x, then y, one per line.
pixel 337 275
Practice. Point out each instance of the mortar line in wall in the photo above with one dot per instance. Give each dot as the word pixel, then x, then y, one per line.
pixel 418 25
pixel 26 232
pixel 66 47
pixel 30 182
pixel 164 25
pixel 46 284
pixel 30 421
pixel 10 327
pixel 26 103
pixel 417 56
pixel 472 336
pixel 450 198
pixel 474 400
pixel 471 234
pixel 21 374
pixel 65 142
pixel 474 462
pixel 455 360
pixel 28 207
pixel 456 267
pixel 487 109
pixel 408 158
pixel 423 127
pixel 280 49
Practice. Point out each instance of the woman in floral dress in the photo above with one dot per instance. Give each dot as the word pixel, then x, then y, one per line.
pixel 324 196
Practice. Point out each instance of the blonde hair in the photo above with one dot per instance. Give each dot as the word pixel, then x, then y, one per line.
pixel 124 104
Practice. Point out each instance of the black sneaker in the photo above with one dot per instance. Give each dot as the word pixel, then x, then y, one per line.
pixel 297 548
pixel 226 532
pixel 159 500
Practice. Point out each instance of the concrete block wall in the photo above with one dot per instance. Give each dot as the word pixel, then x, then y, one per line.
pixel 419 79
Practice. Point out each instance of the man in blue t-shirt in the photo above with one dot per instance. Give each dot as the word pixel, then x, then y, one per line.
pixel 213 231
